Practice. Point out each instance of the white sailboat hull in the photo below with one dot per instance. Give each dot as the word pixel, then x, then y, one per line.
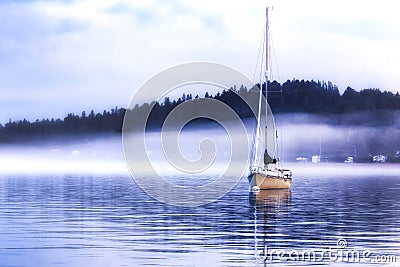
pixel 269 181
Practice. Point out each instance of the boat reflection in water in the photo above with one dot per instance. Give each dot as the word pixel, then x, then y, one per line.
pixel 270 208
pixel 271 197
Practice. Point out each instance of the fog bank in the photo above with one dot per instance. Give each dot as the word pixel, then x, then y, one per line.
pixel 299 135
pixel 303 135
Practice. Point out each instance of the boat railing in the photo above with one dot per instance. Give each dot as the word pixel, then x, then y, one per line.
pixel 276 172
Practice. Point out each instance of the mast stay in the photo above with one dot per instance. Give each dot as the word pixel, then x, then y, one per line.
pixel 267 157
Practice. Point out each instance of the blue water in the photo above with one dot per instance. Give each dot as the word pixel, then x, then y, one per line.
pixel 84 220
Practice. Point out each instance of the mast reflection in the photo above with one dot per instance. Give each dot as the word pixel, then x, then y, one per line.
pixel 268 206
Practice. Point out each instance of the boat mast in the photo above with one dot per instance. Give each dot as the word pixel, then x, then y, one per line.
pixel 258 130
pixel 266 52
pixel 266 76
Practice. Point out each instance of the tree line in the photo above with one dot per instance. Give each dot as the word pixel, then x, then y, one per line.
pixel 293 96
pixel 297 96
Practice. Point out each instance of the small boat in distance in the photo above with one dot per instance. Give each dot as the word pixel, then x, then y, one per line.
pixel 349 160
pixel 265 169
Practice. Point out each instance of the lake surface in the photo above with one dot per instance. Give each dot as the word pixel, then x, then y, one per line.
pixel 107 220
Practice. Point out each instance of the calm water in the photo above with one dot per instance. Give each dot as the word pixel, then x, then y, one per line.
pixel 109 221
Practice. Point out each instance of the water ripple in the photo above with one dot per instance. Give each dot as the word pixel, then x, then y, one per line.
pixel 109 221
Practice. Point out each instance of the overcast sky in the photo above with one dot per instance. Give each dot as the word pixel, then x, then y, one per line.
pixel 67 56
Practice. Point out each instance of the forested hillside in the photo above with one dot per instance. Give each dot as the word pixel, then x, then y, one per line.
pixel 293 96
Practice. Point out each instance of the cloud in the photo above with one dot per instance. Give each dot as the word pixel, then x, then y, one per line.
pixel 74 55
pixel 142 13
pixel 347 42
pixel 362 28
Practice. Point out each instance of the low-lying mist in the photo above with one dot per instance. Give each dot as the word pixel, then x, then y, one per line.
pixel 303 135
pixel 68 155
pixel 299 135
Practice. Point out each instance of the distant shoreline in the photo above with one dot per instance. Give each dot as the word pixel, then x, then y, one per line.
pixel 299 136
pixel 370 117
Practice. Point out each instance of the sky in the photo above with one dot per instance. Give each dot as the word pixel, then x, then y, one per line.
pixel 64 56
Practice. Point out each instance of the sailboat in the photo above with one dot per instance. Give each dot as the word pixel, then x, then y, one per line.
pixel 265 169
